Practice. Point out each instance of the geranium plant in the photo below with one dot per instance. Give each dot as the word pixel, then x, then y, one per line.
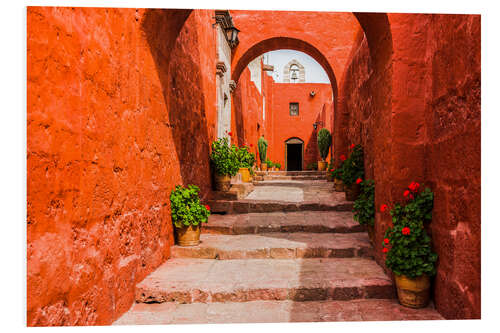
pixel 245 158
pixel 364 206
pixel 353 167
pixel 406 243
pixel 224 158
pixel 186 207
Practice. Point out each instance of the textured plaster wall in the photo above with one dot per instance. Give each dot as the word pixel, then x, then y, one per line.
pixel 107 127
pixel 432 135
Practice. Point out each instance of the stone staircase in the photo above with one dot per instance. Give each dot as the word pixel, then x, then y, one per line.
pixel 271 260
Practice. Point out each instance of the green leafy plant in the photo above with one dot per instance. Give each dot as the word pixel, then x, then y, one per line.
pixel 312 166
pixel 324 142
pixel 262 146
pixel 335 173
pixel 408 247
pixel 353 167
pixel 364 206
pixel 269 164
pixel 277 165
pixel 224 158
pixel 186 207
pixel 245 158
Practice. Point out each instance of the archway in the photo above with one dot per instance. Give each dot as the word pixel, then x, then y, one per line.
pixel 294 154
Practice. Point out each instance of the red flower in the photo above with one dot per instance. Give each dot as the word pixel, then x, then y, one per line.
pixel 230 133
pixel 386 241
pixel 359 180
pixel 251 145
pixel 207 207
pixel 414 186
pixel 385 250
pixel 405 231
pixel 353 145
pixel 406 193
pixel 411 196
pixel 383 208
pixel 342 158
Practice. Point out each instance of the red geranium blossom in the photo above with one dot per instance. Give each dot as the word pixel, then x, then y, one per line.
pixel 353 145
pixel 385 250
pixel 405 231
pixel 342 158
pixel 386 241
pixel 383 208
pixel 207 207
pixel 251 145
pixel 230 133
pixel 359 180
pixel 414 186
pixel 406 193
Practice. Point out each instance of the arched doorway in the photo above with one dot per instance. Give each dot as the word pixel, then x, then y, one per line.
pixel 294 154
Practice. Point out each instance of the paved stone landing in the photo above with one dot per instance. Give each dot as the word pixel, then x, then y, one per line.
pixel 207 281
pixel 273 311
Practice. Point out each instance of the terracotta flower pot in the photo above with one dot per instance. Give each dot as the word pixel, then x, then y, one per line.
pixel 245 175
pixel 339 185
pixel 322 165
pixel 188 235
pixel 352 192
pixel 263 167
pixel 222 183
pixel 413 292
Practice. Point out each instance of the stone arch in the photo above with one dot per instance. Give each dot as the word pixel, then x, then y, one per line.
pixel 288 68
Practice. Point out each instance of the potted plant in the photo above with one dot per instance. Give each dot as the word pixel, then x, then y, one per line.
pixel 353 172
pixel 188 214
pixel 262 146
pixel 336 175
pixel 364 207
pixel 312 166
pixel 269 165
pixel 246 160
pixel 408 247
pixel 278 166
pixel 225 163
pixel 324 142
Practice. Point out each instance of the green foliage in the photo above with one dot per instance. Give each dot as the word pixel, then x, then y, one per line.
pixel 262 145
pixel 269 164
pixel 312 166
pixel 277 165
pixel 324 142
pixel 353 167
pixel 186 207
pixel 245 158
pixel 364 206
pixel 224 158
pixel 336 173
pixel 411 254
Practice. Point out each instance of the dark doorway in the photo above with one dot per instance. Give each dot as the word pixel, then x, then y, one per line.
pixel 293 150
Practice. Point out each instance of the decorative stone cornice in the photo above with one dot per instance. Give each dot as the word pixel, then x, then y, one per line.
pixel 232 86
pixel 221 68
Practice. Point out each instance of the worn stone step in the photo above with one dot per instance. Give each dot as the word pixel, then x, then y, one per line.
pixel 277 246
pixel 257 223
pixel 290 173
pixel 312 184
pixel 267 206
pixel 208 281
pixel 264 178
pixel 273 312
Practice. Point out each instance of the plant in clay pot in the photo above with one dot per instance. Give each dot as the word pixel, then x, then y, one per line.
pixel 188 214
pixel 225 163
pixel 353 172
pixel 246 160
pixel 408 247
pixel 262 146
pixel 324 142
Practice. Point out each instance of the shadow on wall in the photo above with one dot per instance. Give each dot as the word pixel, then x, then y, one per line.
pixel 238 115
pixel 176 53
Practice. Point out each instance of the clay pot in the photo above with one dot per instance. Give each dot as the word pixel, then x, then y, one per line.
pixel 413 292
pixel 322 165
pixel 352 192
pixel 222 183
pixel 339 185
pixel 188 235
pixel 245 174
pixel 263 167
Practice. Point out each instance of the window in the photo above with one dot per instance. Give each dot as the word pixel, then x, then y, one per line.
pixel 294 109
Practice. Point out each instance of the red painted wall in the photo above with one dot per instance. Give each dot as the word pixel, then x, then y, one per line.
pixel 113 97
pixel 432 136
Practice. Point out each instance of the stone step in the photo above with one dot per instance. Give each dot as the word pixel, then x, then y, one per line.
pixel 295 183
pixel 257 223
pixel 290 173
pixel 267 206
pixel 264 178
pixel 209 281
pixel 277 246
pixel 273 312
